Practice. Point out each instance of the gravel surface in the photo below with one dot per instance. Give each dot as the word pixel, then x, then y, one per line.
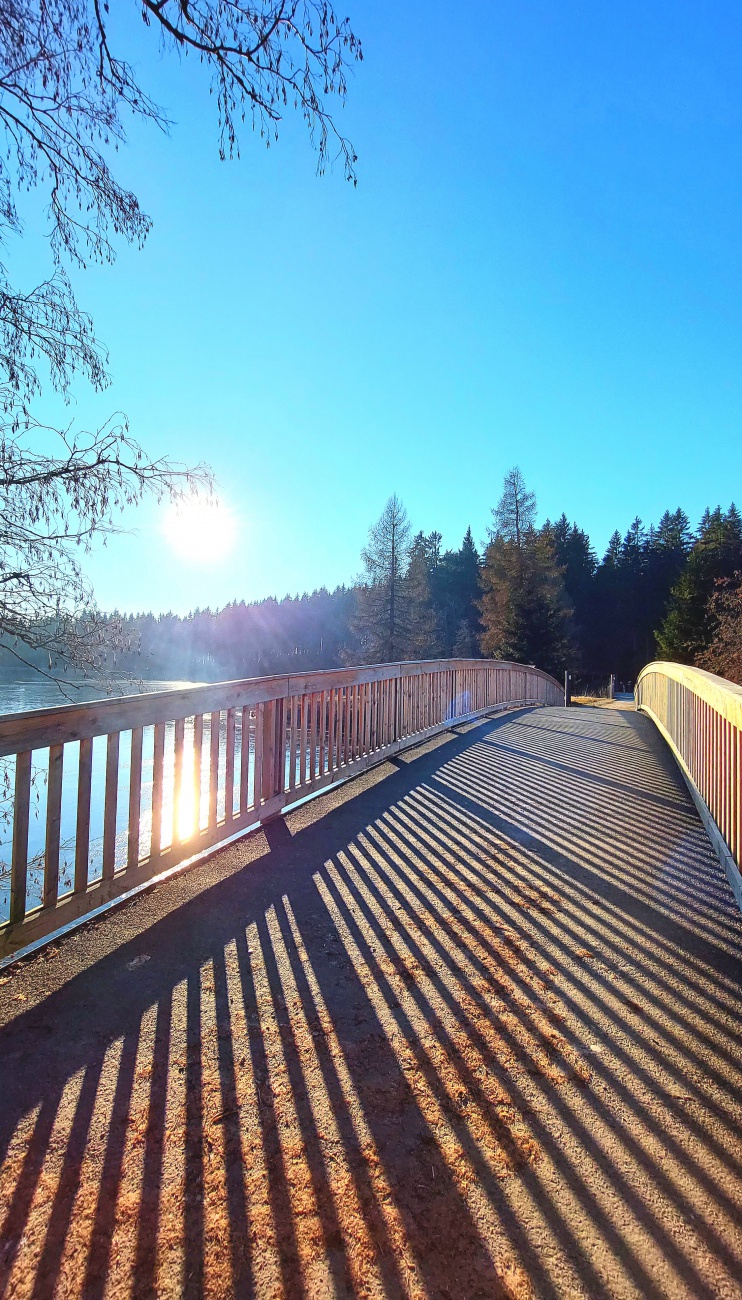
pixel 468 1026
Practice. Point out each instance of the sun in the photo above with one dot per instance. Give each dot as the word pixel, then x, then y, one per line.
pixel 200 529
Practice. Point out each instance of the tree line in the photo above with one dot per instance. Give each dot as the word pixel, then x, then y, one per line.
pixel 534 593
pixel 540 594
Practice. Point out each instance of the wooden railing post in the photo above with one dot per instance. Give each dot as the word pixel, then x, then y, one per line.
pixel 279 747
pixel 269 749
pixel 19 860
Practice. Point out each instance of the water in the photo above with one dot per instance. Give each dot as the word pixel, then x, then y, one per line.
pixel 20 695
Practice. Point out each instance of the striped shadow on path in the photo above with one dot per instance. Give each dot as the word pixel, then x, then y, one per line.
pixel 467 1027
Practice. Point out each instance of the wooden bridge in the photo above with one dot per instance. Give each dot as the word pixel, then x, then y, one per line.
pixel 466 1025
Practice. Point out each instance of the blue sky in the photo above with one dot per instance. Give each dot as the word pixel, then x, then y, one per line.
pixel 540 265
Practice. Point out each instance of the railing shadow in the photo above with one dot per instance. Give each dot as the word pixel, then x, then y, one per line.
pixel 474 1031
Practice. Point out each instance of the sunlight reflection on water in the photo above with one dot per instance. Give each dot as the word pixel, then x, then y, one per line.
pixel 193 800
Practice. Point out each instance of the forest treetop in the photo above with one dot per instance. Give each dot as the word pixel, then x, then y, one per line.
pixel 536 594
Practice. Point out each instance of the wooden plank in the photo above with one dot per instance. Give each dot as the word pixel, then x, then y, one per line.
pixel 214 726
pixel 338 715
pixel 198 747
pixel 330 716
pixel 82 833
pixel 19 858
pixel 363 690
pixel 374 717
pixel 346 726
pixel 53 824
pixel 293 705
pixel 158 770
pixel 266 776
pixel 280 748
pixel 361 748
pixel 178 754
pixel 322 720
pixel 110 807
pixel 332 732
pixel 135 798
pixel 312 738
pixel 359 720
pixel 337 728
pixel 258 763
pixel 244 761
pixel 303 735
pixel 383 712
pixel 407 705
pixel 229 769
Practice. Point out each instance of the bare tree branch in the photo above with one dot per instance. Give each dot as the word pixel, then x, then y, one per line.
pixel 66 97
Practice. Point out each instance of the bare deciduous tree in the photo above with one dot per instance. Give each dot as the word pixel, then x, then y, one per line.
pixel 724 655
pixel 51 509
pixel 67 92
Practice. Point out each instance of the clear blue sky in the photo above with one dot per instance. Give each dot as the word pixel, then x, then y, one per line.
pixel 541 265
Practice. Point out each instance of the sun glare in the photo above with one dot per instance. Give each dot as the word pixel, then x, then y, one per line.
pixel 201 530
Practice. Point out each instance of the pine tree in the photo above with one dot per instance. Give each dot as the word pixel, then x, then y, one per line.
pixel 691 621
pixel 605 623
pixel 515 514
pixel 381 620
pixel 463 646
pixel 422 639
pixel 633 633
pixel 576 558
pixel 524 609
pixel 456 594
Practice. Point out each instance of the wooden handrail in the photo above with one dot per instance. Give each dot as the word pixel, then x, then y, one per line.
pixel 181 771
pixel 700 716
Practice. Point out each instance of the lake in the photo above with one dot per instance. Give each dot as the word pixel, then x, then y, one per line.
pixel 17 695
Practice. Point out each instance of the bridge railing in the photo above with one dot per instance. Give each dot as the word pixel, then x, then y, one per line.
pixel 700 716
pixel 103 797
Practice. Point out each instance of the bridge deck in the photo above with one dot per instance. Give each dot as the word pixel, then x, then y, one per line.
pixel 468 1027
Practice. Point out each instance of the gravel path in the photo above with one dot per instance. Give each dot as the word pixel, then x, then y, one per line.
pixel 468 1027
